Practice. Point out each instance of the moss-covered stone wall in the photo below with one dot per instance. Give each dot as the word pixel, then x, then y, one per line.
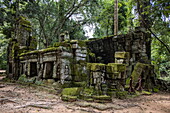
pixel 94 69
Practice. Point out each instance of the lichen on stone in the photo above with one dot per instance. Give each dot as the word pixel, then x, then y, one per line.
pixel 138 70
pixel 33 43
pixel 121 94
pixel 121 54
pixel 69 98
pixel 96 66
pixel 65 43
pixel 74 91
pixel 82 43
pixel 25 24
pixel 114 67
pixel 102 97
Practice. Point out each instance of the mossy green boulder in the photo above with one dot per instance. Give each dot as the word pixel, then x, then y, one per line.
pixel 70 94
pixel 71 91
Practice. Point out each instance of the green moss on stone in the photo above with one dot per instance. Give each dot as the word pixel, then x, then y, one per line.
pixel 139 68
pixel 38 82
pixel 69 98
pixel 92 54
pixel 121 54
pixel 57 44
pixel 23 78
pixel 33 43
pixel 31 80
pixel 40 51
pixel 22 50
pixel 106 37
pixel 49 49
pixel 155 89
pixel 29 52
pixel 102 97
pixel 146 93
pixel 128 81
pixel 87 92
pixel 15 50
pixel 73 41
pixel 96 66
pixel 24 21
pixel 88 99
pixel 65 44
pixel 79 84
pixel 71 91
pixel 114 75
pixel 82 43
pixel 121 94
pixel 114 67
pixel 111 69
pixel 25 24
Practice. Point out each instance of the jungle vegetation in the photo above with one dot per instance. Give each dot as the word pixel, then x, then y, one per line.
pixel 49 18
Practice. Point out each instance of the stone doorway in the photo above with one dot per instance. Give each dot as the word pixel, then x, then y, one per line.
pixel 48 70
pixel 33 69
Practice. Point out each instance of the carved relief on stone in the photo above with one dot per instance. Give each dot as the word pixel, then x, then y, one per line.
pixel 55 70
pixel 58 71
pixel 64 36
pixel 66 72
pixel 98 79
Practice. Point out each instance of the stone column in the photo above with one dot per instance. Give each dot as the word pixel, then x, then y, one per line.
pixel 55 70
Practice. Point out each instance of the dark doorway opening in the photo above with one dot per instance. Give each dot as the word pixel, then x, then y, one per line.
pixel 49 70
pixel 33 69
pixel 10 68
pixel 22 68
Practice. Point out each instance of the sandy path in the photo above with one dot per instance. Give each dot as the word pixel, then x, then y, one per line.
pixel 15 98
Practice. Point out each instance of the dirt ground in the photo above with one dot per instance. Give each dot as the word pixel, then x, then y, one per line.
pixel 15 98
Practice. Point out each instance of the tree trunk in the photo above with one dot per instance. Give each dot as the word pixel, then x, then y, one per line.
pixel 116 17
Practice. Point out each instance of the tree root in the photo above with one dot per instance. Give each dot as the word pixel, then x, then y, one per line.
pixel 35 105
pixel 3 100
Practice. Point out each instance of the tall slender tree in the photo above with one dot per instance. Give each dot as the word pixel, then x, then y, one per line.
pixel 116 17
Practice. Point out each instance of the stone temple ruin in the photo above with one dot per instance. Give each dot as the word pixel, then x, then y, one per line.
pixel 94 69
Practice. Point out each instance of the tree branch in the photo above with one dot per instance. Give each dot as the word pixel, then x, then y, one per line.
pixel 68 15
pixel 146 26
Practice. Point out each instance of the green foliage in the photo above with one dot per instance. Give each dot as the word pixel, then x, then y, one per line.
pixel 156 15
pixel 49 18
pixel 3 53
pixel 105 19
pixel 23 78
pixel 160 55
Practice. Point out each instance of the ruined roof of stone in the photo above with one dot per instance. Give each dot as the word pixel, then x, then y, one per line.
pixel 105 37
pixel 57 46
pixel 41 51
